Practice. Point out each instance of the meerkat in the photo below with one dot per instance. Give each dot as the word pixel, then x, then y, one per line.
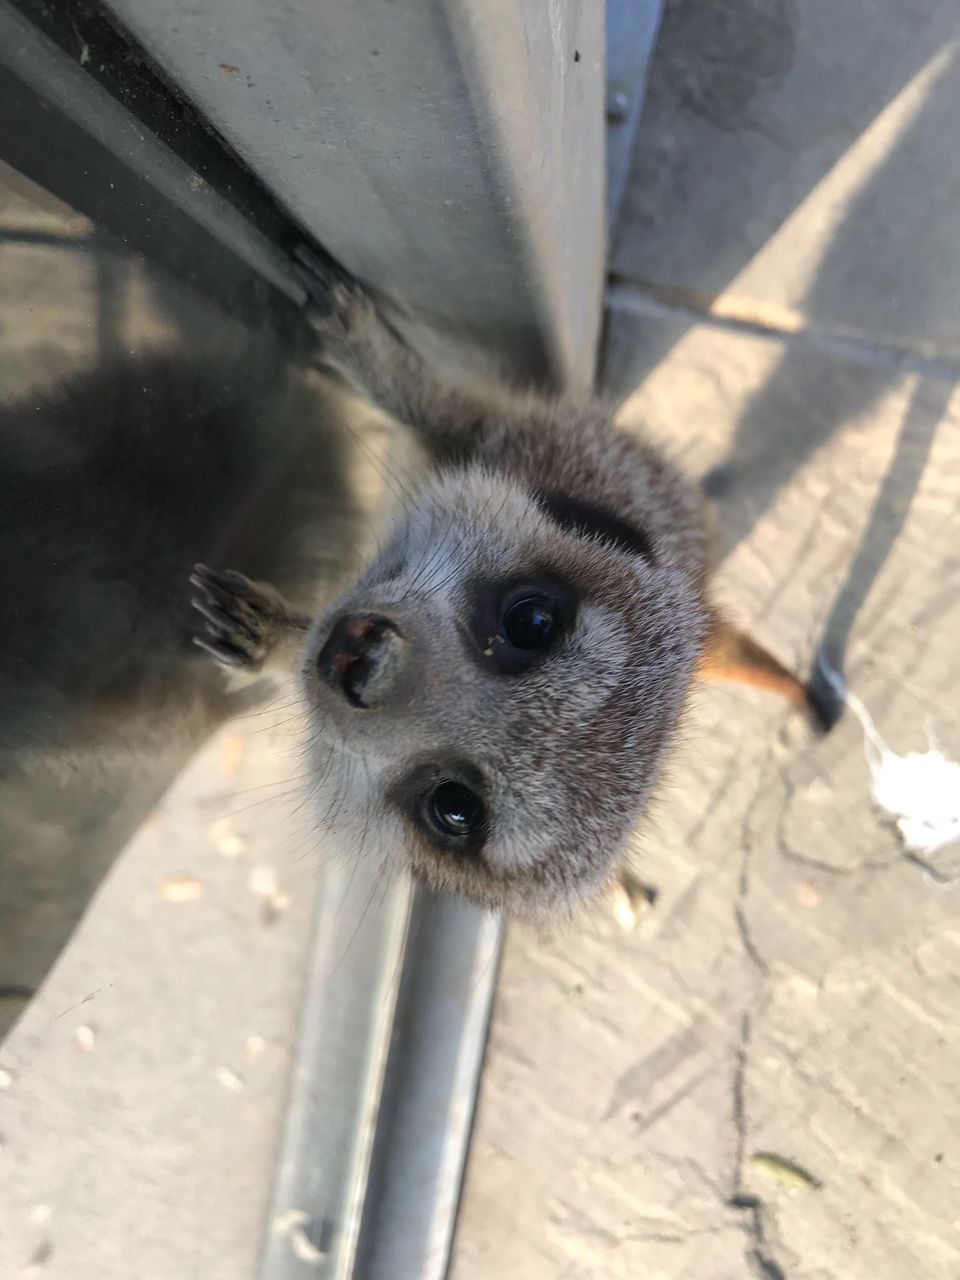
pixel 494 697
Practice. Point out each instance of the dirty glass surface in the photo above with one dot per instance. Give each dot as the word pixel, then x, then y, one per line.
pixel 142 429
pixel 159 873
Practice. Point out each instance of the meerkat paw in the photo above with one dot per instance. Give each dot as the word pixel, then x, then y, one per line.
pixel 243 621
pixel 340 309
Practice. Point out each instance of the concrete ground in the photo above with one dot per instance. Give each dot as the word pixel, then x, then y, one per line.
pixel 760 1078
pixel 144 1088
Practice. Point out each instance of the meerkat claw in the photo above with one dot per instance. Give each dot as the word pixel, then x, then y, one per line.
pixel 237 617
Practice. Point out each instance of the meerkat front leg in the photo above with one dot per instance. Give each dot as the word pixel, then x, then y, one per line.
pixel 361 346
pixel 246 624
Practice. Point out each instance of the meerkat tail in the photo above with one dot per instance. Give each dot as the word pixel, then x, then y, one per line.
pixel 732 657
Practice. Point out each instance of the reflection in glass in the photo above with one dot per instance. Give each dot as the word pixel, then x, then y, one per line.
pixel 141 430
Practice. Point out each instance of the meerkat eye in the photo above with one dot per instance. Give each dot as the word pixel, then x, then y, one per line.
pixel 531 623
pixel 518 624
pixel 446 801
pixel 454 810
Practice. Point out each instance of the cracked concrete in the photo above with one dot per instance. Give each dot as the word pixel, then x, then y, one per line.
pixel 760 1079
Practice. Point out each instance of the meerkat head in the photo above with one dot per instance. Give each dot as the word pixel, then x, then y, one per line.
pixel 494 697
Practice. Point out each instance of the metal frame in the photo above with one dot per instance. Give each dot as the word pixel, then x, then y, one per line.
pixel 187 225
pixel 449 151
pixel 632 29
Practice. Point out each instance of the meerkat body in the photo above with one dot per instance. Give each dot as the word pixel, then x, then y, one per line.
pixel 493 699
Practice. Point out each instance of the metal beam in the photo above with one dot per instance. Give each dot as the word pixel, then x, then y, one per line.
pixel 449 151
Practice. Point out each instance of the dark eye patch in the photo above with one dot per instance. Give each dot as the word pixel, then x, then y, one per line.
pixel 446 801
pixel 587 519
pixel 514 625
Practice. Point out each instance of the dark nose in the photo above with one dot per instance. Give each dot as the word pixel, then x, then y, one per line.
pixel 361 657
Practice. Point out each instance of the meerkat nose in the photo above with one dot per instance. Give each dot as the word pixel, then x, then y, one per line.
pixel 361 658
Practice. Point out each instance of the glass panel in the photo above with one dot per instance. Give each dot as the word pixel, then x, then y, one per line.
pixel 142 430
pixel 154 416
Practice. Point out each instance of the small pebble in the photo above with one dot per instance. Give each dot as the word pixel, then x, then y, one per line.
pixel 40 1214
pixel 808 895
pixel 84 1038
pixel 255 1048
pixel 182 889
pixel 631 900
pixel 230 1080
pixel 226 842
pixel 819 789
pixel 263 881
pixel 6 1078
pixel 623 909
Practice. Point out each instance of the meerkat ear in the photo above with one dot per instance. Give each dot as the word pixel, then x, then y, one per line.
pixel 730 655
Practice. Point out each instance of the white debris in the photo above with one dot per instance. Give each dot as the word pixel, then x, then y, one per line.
pixel 630 899
pixel 304 1247
pixel 84 1037
pixel 624 911
pixel 284 1222
pixel 181 889
pixel 256 1047
pixel 295 1225
pixel 232 1082
pixel 227 843
pixel 921 789
pixel 807 894
pixel 263 881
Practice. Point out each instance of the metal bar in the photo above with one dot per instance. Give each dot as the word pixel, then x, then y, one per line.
pixel 337 1082
pixel 193 232
pixel 449 151
pixel 443 1012
pixel 632 28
